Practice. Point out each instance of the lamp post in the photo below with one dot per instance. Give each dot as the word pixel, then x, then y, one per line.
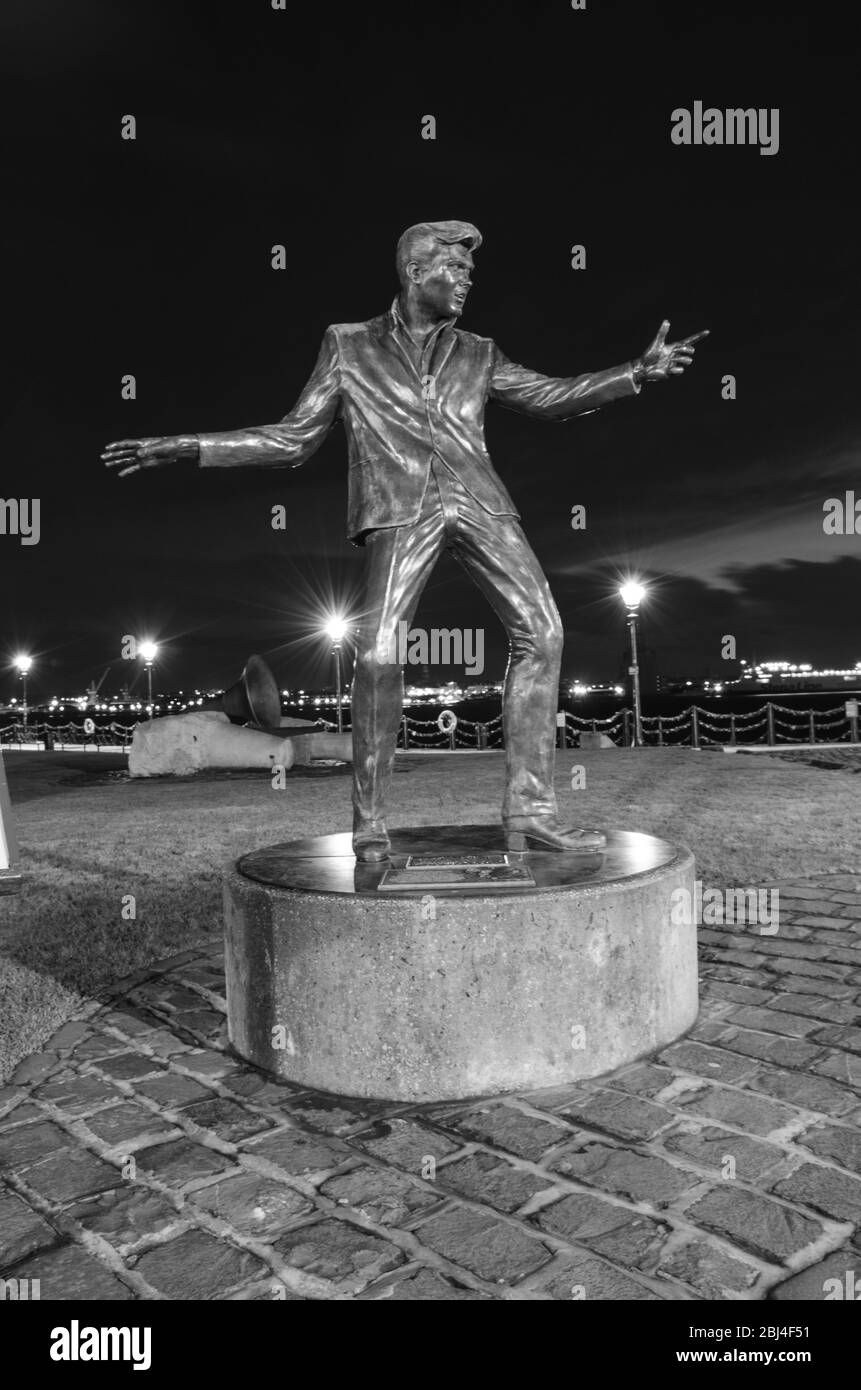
pixel 336 630
pixel 23 664
pixel 149 652
pixel 632 595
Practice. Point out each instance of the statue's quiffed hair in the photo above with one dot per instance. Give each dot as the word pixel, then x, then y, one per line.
pixel 422 240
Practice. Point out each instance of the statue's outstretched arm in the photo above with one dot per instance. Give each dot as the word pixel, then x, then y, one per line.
pixel 286 444
pixel 560 398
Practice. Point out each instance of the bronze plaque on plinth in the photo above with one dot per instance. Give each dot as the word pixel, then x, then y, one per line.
pixel 423 872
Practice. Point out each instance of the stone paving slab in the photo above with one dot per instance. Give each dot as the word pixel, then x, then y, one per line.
pixel 140 1159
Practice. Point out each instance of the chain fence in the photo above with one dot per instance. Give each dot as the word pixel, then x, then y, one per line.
pixel 771 725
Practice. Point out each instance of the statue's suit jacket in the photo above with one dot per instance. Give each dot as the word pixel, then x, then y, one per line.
pixel 396 419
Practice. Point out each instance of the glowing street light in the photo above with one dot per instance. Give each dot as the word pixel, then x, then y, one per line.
pixel 149 652
pixel 23 664
pixel 632 595
pixel 336 630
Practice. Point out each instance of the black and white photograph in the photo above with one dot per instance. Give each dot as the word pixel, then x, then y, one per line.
pixel 430 670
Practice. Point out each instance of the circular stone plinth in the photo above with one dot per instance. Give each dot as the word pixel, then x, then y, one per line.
pixel 341 979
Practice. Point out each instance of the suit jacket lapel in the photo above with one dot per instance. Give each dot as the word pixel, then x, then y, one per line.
pixel 393 332
pixel 448 349
pixel 394 338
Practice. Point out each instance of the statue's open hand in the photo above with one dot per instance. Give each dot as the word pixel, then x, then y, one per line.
pixel 662 359
pixel 131 455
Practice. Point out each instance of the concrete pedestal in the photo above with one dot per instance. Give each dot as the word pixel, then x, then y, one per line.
pixel 337 983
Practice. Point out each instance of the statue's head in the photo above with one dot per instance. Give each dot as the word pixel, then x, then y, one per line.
pixel 434 261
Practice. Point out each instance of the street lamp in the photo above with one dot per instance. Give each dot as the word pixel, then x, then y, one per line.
pixel 632 595
pixel 24 663
pixel 149 652
pixel 336 630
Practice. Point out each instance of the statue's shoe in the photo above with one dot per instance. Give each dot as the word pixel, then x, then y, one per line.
pixel 545 832
pixel 371 842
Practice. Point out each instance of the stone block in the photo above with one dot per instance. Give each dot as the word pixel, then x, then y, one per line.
pixel 822 1282
pixel 754 1223
pixel 739 1108
pixel 638 1177
pixel 406 1144
pixel 198 1266
pixel 842 1146
pixel 69 1274
pixel 173 1090
pixel 227 1119
pixel 842 1066
pixel 581 1218
pixel 347 1256
pixel 483 1177
pixel 181 1161
pixel 69 1174
pixel 625 1117
pixel 383 1195
pixel 78 1096
pixel 712 1062
pixel 128 1124
pixel 772 1021
pixel 782 1052
pixel 127 1216
pixel 254 1205
pixel 298 1152
pixel 812 1006
pixel 26 1144
pixel 130 1066
pixel 22 1230
pixel 506 1127
pixel 487 1247
pixel 711 1148
pixel 826 1190
pixel 424 1286
pixel 709 1270
pixel 805 1090
pixel 574 1277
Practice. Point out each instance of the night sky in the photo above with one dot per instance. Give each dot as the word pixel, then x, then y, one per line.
pixel 257 127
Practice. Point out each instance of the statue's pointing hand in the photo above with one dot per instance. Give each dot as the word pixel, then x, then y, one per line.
pixel 662 359
pixel 132 455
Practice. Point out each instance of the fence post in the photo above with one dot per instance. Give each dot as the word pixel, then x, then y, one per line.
pixel 853 728
pixel 660 732
pixel 769 717
pixel 626 728
pixel 451 742
pixel 481 735
pixel 406 734
pixel 812 725
pixel 732 738
pixel 695 727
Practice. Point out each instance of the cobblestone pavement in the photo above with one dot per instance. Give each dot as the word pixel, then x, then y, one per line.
pixel 140 1160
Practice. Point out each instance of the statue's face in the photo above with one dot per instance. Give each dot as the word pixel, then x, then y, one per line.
pixel 443 283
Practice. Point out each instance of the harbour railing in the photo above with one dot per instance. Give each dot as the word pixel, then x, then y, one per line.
pixel 772 725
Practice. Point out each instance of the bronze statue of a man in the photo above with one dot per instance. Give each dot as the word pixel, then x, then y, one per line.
pixel 411 389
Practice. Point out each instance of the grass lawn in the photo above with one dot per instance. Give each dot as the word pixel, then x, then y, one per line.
pixel 90 837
